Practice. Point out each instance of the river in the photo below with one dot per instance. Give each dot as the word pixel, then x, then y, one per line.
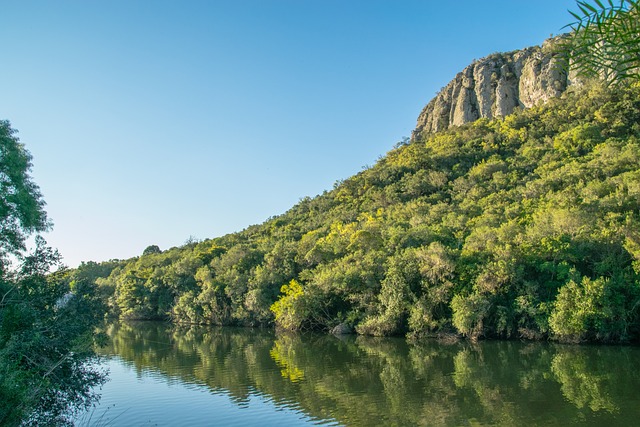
pixel 165 375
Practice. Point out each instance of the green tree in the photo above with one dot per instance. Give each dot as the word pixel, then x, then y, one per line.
pixel 46 320
pixel 290 310
pixel 152 249
pixel 21 205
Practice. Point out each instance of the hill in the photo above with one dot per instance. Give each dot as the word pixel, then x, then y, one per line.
pixel 524 226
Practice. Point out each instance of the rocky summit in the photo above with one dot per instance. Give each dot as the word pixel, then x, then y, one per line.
pixel 496 85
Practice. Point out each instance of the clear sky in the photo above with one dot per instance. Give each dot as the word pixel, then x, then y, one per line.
pixel 152 121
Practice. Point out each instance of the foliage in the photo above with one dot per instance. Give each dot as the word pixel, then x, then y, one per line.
pixel 46 320
pixel 606 39
pixel 492 229
pixel 21 205
pixel 598 307
pixel 469 313
pixel 46 338
pixel 288 310
pixel 151 249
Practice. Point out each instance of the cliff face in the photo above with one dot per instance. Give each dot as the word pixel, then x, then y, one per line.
pixel 494 86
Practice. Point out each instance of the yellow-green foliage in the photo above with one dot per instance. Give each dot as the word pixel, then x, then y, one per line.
pixel 599 308
pixel 492 229
pixel 288 310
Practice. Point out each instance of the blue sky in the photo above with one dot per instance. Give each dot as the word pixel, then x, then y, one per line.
pixel 153 121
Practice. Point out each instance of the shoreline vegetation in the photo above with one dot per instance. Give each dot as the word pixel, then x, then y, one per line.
pixel 524 227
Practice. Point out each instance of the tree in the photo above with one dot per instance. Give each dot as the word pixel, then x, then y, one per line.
pixel 290 310
pixel 47 320
pixel 21 205
pixel 152 249
pixel 605 41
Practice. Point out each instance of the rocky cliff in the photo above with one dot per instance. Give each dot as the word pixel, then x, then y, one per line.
pixel 494 86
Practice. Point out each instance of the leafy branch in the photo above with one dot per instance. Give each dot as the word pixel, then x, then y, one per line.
pixel 605 41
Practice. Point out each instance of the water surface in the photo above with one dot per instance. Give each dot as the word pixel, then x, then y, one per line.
pixel 197 376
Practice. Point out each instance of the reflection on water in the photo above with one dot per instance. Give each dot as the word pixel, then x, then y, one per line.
pixel 364 381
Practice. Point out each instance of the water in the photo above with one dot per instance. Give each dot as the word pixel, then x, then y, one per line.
pixel 163 375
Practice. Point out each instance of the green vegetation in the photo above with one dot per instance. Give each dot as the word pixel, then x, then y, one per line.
pixel 365 381
pixel 523 227
pixel 46 320
pixel 605 41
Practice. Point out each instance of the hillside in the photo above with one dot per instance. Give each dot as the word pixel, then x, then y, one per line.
pixel 527 226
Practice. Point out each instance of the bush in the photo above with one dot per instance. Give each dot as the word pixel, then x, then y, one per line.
pixel 599 309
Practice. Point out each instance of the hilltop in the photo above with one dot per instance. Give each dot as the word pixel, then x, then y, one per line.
pixel 496 85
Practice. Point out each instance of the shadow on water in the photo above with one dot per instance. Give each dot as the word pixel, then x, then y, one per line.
pixel 386 381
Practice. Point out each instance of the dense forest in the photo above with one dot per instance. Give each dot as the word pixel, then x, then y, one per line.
pixel 522 227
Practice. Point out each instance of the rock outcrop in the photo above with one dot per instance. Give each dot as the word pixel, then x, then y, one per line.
pixel 342 329
pixel 494 86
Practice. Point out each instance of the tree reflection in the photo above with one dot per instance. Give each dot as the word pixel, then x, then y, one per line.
pixel 373 381
pixel 593 377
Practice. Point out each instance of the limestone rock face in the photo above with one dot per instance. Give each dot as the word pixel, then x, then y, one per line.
pixel 494 86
